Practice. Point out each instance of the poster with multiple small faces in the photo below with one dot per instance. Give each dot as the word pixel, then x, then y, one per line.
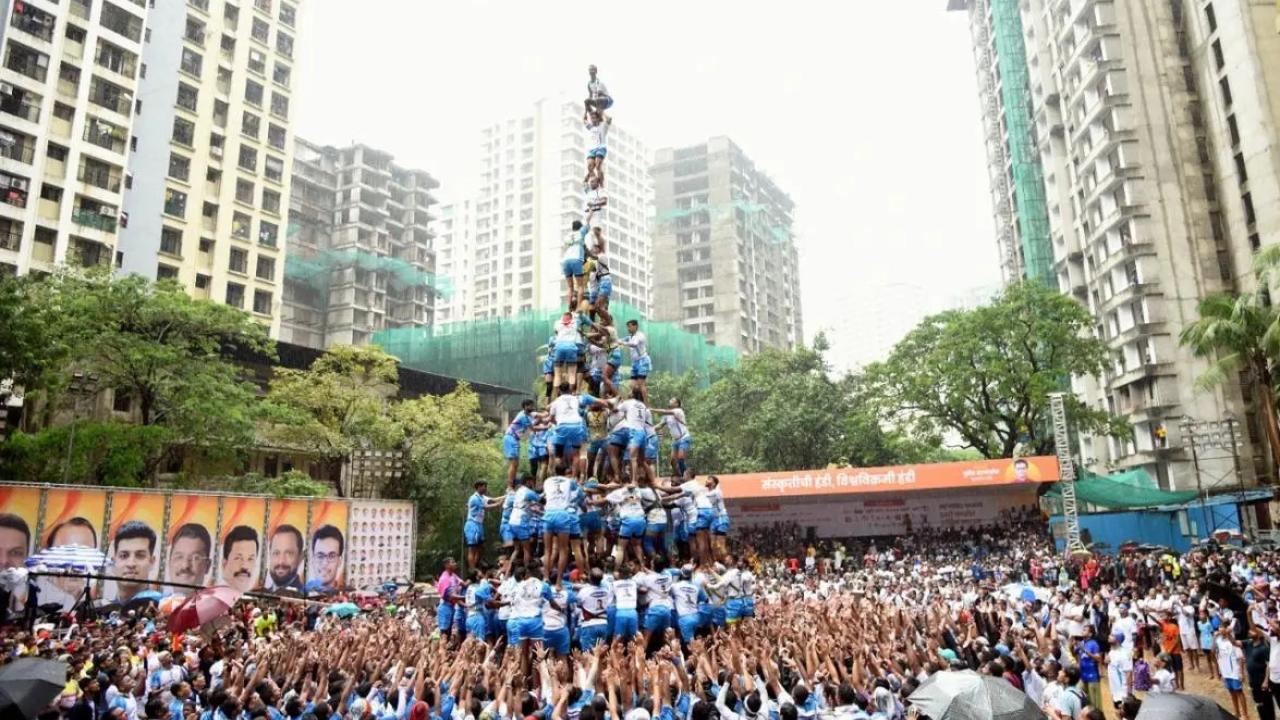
pixel 382 536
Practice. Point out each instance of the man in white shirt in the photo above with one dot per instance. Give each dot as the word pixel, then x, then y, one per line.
pixel 641 364
pixel 597 125
pixel 702 519
pixel 557 518
pixel 678 431
pixel 630 433
pixel 1119 668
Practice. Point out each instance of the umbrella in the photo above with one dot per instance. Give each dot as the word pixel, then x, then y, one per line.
pixel 77 558
pixel 343 610
pixel 203 607
pixel 969 696
pixel 1180 706
pixel 27 685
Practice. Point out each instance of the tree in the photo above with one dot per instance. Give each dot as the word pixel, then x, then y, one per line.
pixel 155 345
pixel 985 374
pixel 338 405
pixel 1237 333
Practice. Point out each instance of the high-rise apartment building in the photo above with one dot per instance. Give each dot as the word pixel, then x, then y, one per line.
pixel 530 192
pixel 724 255
pixel 360 253
pixel 210 172
pixel 68 98
pixel 455 227
pixel 1156 143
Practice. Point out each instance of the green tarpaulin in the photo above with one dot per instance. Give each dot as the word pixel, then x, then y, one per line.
pixel 1129 489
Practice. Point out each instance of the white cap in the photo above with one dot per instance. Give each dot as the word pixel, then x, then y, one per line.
pixel 636 714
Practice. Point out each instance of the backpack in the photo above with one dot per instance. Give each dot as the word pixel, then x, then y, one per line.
pixel 1141 675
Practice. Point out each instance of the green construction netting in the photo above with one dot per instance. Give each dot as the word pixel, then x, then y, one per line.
pixel 508 351
pixel 315 268
pixel 751 214
pixel 1024 156
pixel 1129 489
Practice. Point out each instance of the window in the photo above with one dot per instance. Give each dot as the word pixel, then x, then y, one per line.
pixel 121 402
pixel 248 158
pixel 188 97
pixel 244 191
pixel 230 15
pixel 166 272
pixel 250 124
pixel 262 302
pixel 171 241
pixel 110 96
pixel 266 269
pixel 288 14
pixel 202 281
pixel 192 62
pixel 280 105
pixel 240 224
pixel 194 31
pixel 1242 174
pixel 273 168
pixel 238 262
pixel 276 136
pixel 280 74
pixel 1218 58
pixel 1249 217
pixel 235 295
pixel 206 245
pixel 228 45
pixel 253 93
pixel 1211 17
pixel 1226 91
pixel 284 44
pixel 1234 129
pixel 184 132
pixel 268 234
pixel 257 61
pixel 179 167
pixel 115 59
pixel 175 202
pixel 271 201
pixel 261 31
pixel 121 21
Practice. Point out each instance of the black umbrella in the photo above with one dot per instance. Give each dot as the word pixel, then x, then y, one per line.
pixel 27 685
pixel 1180 706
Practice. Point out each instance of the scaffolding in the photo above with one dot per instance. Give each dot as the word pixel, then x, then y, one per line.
pixel 507 351
pixel 1020 142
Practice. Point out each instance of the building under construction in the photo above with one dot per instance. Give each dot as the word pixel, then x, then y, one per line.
pixel 359 255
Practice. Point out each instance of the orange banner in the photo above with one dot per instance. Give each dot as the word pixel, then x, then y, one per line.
pixel 137 521
pixel 286 545
pixel 19 516
pixel 936 476
pixel 240 546
pixel 193 525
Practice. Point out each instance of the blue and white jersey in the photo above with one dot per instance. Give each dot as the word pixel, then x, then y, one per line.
pixel 475 508
pixel 633 414
pixel 627 500
pixel 520 424
pixel 522 506
pixel 675 423
pixel 506 591
pixel 575 250
pixel 557 493
pixel 567 334
pixel 649 498
pixel 567 409
pixel 597 134
pixel 657 588
pixel 507 504
pixel 686 595
pixel 554 618
pixel 529 597
pixel 717 502
pixel 639 345
pixel 626 594
pixel 597 358
pixel 594 602
pixel 578 499
pixel 477 595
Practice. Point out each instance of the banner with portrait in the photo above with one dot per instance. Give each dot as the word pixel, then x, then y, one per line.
pixel 133 545
pixel 381 543
pixel 19 518
pixel 72 516
pixel 327 546
pixel 193 525
pixel 240 543
pixel 284 562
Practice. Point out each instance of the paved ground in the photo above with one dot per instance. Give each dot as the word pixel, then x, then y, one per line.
pixel 1199 683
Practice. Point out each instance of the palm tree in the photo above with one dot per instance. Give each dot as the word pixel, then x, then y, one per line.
pixel 1238 333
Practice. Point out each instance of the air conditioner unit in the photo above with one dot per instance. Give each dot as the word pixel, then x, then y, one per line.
pixel 18 184
pixel 6 88
pixel 215 151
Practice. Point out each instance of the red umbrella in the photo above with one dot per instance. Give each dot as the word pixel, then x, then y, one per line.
pixel 202 607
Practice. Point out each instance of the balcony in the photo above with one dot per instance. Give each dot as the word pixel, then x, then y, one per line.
pixel 49 210
pixel 88 253
pixel 1140 372
pixel 116 62
pixel 16 149
pixel 105 135
pixel 81 8
pixel 99 178
pixel 55 170
pixel 13 196
pixel 11 236
pixel 33 22
pixel 95 219
pixel 22 108
pixel 27 62
pixel 110 97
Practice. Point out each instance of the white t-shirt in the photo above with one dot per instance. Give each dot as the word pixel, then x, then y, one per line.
pixel 717 501
pixel 557 493
pixel 685 595
pixel 574 250
pixel 625 593
pixel 505 592
pixel 656 513
pixel 633 414
pixel 1119 665
pixel 1229 659
pixel 1129 627
pixel 638 343
pixel 657 589
pixel 598 133
pixel 698 492
pixel 676 426
pixel 553 619
pixel 524 497
pixel 1163 681
pixel 628 501
pixel 594 601
pixel 566 409
pixel 528 598
pixel 1273 662
pixel 568 333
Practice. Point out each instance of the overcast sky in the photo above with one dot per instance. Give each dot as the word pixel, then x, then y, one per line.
pixel 864 111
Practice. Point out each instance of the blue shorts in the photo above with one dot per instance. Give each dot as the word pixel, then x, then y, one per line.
pixel 598 152
pixel 721 525
pixel 522 532
pixel 571 268
pixel 537 452
pixel 718 615
pixel 615 358
pixel 683 443
pixel 704 615
pixel 626 624
pixel 597 446
pixel 1232 685
pixel 478 625
pixel 556 522
pixel 591 635
pixel 444 617
pixel 656 620
pixel 651 447
pixel 570 436
pixel 566 352
pixel 590 521
pixel 510 447
pixel 688 627
pixel 637 438
pixel 548 365
pixel 604 289
pixel 632 527
pixel 557 640
pixel 620 437
pixel 733 610
pixel 654 528
pixel 706 517
pixel 506 533
pixel 641 367
pixel 473 533
pixel 748 607
pixel 521 629
pixel 604 102
pixel 682 532
pixel 575 525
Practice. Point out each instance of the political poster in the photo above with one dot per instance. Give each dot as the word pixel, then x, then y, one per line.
pixel 240 542
pixel 134 545
pixel 327 546
pixel 193 524
pixel 284 564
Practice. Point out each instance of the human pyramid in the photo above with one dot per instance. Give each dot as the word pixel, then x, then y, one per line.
pixel 591 508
